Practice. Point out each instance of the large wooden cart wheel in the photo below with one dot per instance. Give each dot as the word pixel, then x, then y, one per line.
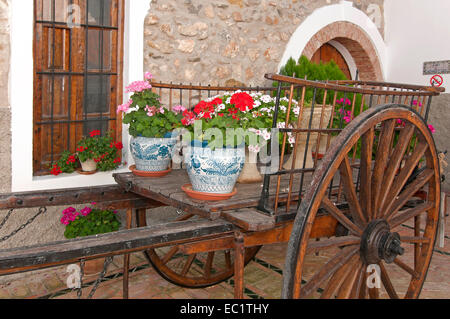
pixel 198 270
pixel 390 232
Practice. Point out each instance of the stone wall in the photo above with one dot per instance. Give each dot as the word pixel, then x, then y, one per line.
pixel 193 41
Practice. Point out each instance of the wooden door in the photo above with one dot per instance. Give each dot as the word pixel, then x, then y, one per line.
pixel 326 53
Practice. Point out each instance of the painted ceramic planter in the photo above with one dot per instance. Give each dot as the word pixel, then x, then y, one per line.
pixel 215 171
pixel 152 154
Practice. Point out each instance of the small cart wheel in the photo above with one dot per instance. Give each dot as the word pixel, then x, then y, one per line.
pixel 369 181
pixel 199 270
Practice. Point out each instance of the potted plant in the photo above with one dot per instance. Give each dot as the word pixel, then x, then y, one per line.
pixel 151 127
pixel 343 112
pixel 67 163
pixel 96 152
pixel 89 221
pixel 215 155
pixel 239 118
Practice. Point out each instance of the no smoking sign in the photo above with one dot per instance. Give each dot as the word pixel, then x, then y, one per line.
pixel 436 80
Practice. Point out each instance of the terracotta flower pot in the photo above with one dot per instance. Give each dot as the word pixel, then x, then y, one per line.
pixel 302 137
pixel 89 166
pixel 250 173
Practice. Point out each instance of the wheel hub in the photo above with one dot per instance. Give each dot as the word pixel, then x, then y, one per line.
pixel 379 243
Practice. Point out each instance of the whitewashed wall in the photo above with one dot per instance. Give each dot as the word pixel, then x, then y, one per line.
pixel 416 31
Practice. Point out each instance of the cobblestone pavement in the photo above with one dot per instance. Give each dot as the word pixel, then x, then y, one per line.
pixel 263 279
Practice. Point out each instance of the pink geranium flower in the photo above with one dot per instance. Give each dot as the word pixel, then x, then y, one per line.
pixel 179 109
pixel 124 107
pixel 86 211
pixel 415 102
pixel 138 86
pixel 148 76
pixel 432 129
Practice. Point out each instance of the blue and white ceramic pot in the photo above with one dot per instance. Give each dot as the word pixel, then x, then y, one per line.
pixel 152 154
pixel 214 172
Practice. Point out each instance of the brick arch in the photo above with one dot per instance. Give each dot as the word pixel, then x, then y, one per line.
pixel 356 41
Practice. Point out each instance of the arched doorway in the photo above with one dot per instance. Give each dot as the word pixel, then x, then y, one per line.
pixel 327 53
pixel 355 41
pixel 350 31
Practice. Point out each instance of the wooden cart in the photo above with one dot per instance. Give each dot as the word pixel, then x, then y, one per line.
pixel 371 202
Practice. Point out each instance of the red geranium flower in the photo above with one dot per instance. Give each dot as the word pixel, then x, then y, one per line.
pixel 216 101
pixel 188 118
pixel 72 159
pixel 95 133
pixel 56 170
pixel 243 101
pixel 119 145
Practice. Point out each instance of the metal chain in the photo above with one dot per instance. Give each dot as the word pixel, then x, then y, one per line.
pixel 80 289
pixel 108 261
pixel 42 210
pixel 6 218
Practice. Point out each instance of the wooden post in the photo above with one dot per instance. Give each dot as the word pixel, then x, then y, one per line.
pixel 126 258
pixel 239 256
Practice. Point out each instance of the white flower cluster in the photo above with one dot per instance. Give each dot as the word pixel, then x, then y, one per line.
pixel 291 138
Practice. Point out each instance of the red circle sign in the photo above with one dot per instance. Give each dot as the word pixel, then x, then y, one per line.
pixel 436 80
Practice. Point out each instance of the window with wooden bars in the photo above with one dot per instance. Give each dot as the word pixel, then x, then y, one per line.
pixel 78 60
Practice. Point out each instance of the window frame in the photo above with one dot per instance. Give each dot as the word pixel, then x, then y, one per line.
pixel 21 96
pixel 56 64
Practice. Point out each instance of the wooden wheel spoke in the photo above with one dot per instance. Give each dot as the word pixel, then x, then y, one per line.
pixel 405 173
pixel 188 264
pixel 358 290
pixel 167 257
pixel 333 242
pixel 335 281
pixel 387 282
pixel 394 162
pixel 374 293
pixel 366 172
pixel 408 193
pixel 409 213
pixel 415 240
pixel 406 268
pixel 327 270
pixel 209 263
pixel 350 192
pixel 381 160
pixel 339 215
pixel 345 290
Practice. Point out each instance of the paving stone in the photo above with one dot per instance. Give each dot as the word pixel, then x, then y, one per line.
pixel 20 292
pixel 53 283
